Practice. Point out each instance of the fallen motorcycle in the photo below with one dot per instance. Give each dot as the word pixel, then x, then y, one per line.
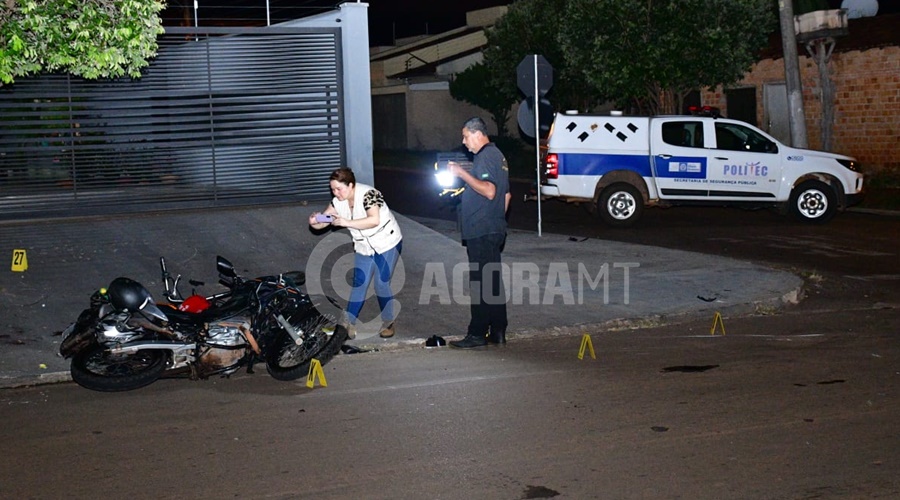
pixel 125 340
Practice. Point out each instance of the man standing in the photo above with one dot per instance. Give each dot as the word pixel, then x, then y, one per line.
pixel 482 217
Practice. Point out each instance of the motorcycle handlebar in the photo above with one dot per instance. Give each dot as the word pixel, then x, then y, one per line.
pixel 171 284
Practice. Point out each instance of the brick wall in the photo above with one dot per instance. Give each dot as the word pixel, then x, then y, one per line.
pixel 867 102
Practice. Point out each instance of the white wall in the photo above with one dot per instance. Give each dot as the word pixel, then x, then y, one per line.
pixel 353 20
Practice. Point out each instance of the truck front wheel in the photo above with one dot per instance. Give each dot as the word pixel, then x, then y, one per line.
pixel 620 205
pixel 813 201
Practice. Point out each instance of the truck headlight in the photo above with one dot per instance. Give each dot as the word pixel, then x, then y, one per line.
pixel 851 165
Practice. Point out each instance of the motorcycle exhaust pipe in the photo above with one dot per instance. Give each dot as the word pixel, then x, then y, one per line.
pixel 175 347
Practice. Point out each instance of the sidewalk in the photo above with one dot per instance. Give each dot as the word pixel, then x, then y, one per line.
pixel 557 284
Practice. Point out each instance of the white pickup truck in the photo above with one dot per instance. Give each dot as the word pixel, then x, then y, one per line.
pixel 619 164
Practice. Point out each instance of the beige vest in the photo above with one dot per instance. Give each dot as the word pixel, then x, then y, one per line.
pixel 378 239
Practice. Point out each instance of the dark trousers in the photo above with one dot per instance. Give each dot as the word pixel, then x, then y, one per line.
pixel 486 285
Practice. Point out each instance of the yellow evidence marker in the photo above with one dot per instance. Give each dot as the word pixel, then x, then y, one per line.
pixel 586 342
pixel 315 370
pixel 19 261
pixel 717 321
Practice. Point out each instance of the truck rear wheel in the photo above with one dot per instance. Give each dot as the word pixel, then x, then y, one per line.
pixel 814 202
pixel 620 205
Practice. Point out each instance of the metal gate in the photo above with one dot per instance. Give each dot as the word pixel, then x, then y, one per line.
pixel 222 117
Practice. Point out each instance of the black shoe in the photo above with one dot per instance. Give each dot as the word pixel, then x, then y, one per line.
pixel 497 337
pixel 469 342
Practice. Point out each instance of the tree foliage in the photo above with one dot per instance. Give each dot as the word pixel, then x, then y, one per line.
pixel 650 52
pixel 655 52
pixel 531 27
pixel 469 86
pixel 87 38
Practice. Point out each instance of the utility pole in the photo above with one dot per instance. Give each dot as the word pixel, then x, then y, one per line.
pixel 796 116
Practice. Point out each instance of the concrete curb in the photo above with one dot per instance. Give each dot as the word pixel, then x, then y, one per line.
pixel 30 381
pixel 789 298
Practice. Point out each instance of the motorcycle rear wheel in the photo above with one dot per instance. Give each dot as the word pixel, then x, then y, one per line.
pixel 288 361
pixel 98 369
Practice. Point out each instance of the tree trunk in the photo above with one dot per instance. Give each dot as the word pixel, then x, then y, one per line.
pixel 797 117
pixel 820 50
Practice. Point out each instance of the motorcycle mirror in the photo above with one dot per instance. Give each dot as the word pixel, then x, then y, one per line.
pixel 225 267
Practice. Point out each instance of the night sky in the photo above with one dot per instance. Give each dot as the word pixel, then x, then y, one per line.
pixel 413 17
pixel 388 19
pixel 402 18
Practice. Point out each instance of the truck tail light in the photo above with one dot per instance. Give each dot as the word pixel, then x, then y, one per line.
pixel 551 166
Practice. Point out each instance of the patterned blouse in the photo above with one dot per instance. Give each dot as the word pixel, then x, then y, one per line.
pixel 373 199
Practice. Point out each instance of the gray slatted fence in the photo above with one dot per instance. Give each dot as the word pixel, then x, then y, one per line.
pixel 222 117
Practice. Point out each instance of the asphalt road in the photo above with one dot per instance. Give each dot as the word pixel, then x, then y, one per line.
pixel 799 403
pixel 796 405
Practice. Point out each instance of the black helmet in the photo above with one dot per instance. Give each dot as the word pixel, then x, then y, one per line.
pixel 125 294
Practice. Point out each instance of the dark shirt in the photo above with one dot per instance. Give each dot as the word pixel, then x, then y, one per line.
pixel 479 216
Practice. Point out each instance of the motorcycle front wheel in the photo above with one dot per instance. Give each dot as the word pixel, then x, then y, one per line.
pixel 285 360
pixel 98 369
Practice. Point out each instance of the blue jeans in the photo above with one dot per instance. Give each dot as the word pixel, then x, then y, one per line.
pixel 381 268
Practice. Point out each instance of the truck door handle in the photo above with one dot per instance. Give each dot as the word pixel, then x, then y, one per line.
pixel 665 157
pixel 721 158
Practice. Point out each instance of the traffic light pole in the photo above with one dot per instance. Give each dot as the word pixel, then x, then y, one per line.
pixel 537 144
pixel 534 76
